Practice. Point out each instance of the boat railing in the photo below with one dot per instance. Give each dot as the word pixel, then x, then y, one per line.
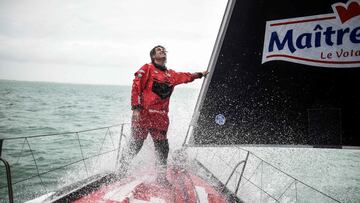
pixel 88 151
pixel 241 175
pixel 107 141
pixel 257 180
pixel 8 179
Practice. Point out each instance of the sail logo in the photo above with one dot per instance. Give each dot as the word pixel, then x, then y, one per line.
pixel 327 40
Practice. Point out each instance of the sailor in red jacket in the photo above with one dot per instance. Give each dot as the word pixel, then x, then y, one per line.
pixel 150 96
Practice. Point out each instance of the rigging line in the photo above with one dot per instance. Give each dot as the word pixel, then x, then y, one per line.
pixel 286 189
pixel 119 146
pixel 295 178
pixel 275 167
pixel 242 172
pixel 231 175
pixel 102 143
pixel 226 162
pixel 261 163
pixel 22 148
pixel 229 164
pixel 261 189
pixel 242 149
pixel 37 168
pixel 82 154
pixel 283 173
pixel 296 190
pixel 60 167
pixel 64 133
pixel 261 177
pixel 111 138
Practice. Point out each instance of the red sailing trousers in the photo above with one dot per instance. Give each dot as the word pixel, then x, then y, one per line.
pixel 150 121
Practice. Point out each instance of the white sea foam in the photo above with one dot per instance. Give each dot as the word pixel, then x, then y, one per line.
pixel 76 107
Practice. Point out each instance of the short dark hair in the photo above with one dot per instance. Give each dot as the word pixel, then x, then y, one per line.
pixel 152 52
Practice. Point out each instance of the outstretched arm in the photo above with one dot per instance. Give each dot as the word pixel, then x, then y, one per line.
pixel 184 77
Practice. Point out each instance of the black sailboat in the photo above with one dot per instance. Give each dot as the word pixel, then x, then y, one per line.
pixel 283 73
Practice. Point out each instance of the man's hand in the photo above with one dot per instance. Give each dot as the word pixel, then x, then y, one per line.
pixel 205 73
pixel 136 115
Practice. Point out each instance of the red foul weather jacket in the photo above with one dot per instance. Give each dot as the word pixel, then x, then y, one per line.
pixel 151 91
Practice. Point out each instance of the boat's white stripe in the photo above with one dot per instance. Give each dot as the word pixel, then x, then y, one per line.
pixel 156 200
pixel 152 200
pixel 202 194
pixel 126 191
pixel 41 198
pixel 119 194
pixel 137 201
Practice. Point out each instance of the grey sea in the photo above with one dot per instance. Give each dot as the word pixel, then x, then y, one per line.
pixel 39 108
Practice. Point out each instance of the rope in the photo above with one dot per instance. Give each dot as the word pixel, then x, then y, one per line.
pixel 294 178
pixel 261 163
pixel 260 188
pixel 82 154
pixel 119 147
pixel 63 133
pixel 102 143
pixel 121 134
pixel 293 182
pixel 22 148
pixel 111 138
pixel 61 167
pixel 37 168
pixel 83 158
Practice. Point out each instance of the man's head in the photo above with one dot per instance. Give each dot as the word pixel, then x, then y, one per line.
pixel 158 53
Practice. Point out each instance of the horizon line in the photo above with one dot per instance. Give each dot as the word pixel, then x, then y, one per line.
pixel 74 83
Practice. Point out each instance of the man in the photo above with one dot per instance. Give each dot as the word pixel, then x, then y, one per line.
pixel 150 96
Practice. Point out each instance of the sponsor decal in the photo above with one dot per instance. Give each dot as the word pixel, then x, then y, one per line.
pixel 220 119
pixel 327 40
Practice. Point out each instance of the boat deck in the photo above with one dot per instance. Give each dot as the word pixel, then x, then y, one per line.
pixel 142 187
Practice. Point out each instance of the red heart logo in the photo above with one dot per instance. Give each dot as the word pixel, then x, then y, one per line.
pixel 351 11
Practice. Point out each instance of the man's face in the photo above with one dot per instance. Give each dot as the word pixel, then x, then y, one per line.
pixel 160 53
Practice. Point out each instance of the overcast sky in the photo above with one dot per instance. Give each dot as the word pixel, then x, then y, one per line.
pixel 103 41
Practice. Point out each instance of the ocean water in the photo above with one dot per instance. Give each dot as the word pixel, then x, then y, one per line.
pixel 37 108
